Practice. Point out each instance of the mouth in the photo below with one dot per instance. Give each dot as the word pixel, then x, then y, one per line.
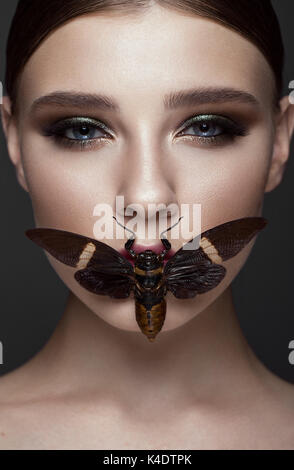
pixel 139 248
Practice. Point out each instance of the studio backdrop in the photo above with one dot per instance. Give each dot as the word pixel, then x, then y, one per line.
pixel 33 297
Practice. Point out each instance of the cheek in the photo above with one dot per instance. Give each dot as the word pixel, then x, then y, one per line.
pixel 65 186
pixel 229 183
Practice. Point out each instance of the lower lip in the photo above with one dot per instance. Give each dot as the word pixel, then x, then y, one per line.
pixel 140 248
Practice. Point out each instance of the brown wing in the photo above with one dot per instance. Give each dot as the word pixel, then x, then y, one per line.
pixel 101 282
pixel 190 272
pixel 102 269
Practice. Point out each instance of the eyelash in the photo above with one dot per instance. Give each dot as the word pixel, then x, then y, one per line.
pixel 76 123
pixel 232 130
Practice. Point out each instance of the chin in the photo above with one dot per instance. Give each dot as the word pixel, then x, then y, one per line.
pixel 120 313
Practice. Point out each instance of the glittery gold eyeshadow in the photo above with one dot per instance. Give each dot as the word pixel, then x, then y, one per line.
pixel 213 130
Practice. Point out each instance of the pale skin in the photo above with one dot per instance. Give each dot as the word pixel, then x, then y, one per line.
pixel 98 383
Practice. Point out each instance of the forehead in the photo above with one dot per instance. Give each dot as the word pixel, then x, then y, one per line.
pixel 144 55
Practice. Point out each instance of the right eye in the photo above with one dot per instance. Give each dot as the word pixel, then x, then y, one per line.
pixel 82 132
pixel 78 131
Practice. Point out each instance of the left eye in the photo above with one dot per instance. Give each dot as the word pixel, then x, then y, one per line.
pixel 83 132
pixel 206 129
pixel 211 128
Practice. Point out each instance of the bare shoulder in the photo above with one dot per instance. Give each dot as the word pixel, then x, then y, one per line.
pixel 21 397
pixel 273 412
pixel 38 412
pixel 9 384
pixel 271 390
pixel 16 385
pixel 281 391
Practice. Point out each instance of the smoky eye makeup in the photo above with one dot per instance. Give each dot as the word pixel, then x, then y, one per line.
pixel 212 129
pixel 82 133
pixel 78 132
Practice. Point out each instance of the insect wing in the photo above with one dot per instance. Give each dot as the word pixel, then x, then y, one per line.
pixel 198 279
pixel 103 283
pixel 190 272
pixel 102 269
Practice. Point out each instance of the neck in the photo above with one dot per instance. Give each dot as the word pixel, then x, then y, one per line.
pixel 203 359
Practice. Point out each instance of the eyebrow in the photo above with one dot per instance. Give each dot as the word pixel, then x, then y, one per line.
pixel 207 96
pixel 173 100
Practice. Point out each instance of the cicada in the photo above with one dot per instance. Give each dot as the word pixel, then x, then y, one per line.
pixel 103 270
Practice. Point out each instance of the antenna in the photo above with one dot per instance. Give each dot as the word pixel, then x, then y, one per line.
pixel 171 227
pixel 134 235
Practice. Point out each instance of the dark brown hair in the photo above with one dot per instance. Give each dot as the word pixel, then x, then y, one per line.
pixel 35 19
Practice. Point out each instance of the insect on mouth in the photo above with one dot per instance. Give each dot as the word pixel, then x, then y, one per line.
pixel 163 249
pixel 102 270
pixel 141 248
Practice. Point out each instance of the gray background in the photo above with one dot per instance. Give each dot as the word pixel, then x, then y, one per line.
pixel 33 297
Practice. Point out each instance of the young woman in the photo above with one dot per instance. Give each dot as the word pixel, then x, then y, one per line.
pixel 161 102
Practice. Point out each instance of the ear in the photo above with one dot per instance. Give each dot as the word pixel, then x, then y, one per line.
pixel 284 132
pixel 11 133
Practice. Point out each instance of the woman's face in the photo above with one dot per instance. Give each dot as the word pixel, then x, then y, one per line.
pixel 147 151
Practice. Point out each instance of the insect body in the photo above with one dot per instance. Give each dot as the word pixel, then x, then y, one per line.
pixel 104 271
pixel 149 293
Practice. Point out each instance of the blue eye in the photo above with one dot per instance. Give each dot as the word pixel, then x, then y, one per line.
pixel 210 129
pixel 82 132
pixel 207 129
pixel 78 131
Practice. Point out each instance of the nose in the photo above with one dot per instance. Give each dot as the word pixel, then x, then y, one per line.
pixel 147 182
